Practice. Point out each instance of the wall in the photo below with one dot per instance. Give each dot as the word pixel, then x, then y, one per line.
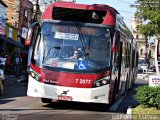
pixel 14 32
pixel 25 17
pixel 2 18
pixel 12 12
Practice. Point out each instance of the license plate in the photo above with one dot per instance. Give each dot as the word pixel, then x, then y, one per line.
pixel 65 98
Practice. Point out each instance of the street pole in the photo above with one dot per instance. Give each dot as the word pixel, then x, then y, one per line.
pixel 146 59
pixel 19 27
pixel 36 11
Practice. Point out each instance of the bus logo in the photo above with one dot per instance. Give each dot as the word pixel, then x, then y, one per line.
pixel 64 92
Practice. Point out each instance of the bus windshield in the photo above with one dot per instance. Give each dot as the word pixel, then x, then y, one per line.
pixel 76 46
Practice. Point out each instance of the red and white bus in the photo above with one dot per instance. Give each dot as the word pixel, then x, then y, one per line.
pixel 106 64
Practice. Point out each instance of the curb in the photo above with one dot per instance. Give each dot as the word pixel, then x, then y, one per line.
pixel 117 103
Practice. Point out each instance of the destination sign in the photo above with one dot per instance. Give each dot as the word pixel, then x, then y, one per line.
pixel 66 36
pixel 72 29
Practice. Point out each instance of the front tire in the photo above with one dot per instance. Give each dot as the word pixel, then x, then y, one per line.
pixel 46 100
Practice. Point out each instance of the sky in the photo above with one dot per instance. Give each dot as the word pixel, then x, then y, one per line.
pixel 122 6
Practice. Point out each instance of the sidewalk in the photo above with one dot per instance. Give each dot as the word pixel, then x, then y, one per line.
pixel 145 76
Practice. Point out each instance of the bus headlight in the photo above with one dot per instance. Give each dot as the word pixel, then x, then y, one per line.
pixel 34 75
pixel 97 84
pixel 101 82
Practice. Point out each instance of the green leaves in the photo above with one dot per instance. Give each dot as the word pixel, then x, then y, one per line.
pixel 148 96
pixel 149 11
pixel 147 29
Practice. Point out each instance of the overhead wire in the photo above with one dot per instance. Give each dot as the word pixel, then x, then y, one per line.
pixel 125 2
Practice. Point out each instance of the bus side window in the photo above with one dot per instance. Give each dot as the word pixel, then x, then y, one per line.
pixel 116 41
pixel 116 61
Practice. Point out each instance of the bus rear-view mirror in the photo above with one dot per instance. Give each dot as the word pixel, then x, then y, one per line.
pixel 32 32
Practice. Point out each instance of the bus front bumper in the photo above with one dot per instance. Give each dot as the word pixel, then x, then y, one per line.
pixel 89 95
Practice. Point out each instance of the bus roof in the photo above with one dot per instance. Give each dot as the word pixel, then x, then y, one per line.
pixel 109 18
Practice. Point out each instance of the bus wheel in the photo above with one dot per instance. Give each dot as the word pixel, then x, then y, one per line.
pixel 1 87
pixel 46 100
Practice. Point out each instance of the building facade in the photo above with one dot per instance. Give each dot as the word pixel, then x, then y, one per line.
pixel 12 14
pixel 146 47
pixel 25 19
pixel 19 14
pixel 3 9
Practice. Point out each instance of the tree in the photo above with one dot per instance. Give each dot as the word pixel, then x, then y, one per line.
pixel 146 30
pixel 149 11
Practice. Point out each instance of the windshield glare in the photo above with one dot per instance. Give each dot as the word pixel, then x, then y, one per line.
pixel 74 46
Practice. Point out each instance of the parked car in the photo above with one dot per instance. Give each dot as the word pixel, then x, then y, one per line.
pixel 152 68
pixel 1 81
pixel 142 66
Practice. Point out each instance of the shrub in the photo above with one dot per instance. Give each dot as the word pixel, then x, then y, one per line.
pixel 148 96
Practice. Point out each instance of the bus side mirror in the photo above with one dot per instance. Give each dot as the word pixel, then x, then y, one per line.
pixel 29 37
pixel 31 33
pixel 116 41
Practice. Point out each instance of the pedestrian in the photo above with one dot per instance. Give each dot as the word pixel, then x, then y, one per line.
pixel 3 61
pixel 8 62
pixel 18 63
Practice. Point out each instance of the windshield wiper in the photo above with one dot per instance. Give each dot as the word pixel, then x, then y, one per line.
pixel 81 39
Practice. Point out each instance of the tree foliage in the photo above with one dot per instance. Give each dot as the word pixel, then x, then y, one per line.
pixel 149 11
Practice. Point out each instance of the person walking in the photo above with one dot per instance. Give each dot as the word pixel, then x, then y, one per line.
pixel 3 61
pixel 18 63
pixel 8 63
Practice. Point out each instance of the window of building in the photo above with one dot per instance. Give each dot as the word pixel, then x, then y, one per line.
pixel 141 51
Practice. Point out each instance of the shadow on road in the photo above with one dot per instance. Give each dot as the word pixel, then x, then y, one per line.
pixel 12 91
pixel 63 105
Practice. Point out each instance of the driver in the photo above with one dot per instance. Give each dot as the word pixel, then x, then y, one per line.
pixel 77 55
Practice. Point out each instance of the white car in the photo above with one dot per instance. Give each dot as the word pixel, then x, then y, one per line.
pixel 142 67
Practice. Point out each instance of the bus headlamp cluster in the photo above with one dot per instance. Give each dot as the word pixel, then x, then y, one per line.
pixel 34 75
pixel 101 82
